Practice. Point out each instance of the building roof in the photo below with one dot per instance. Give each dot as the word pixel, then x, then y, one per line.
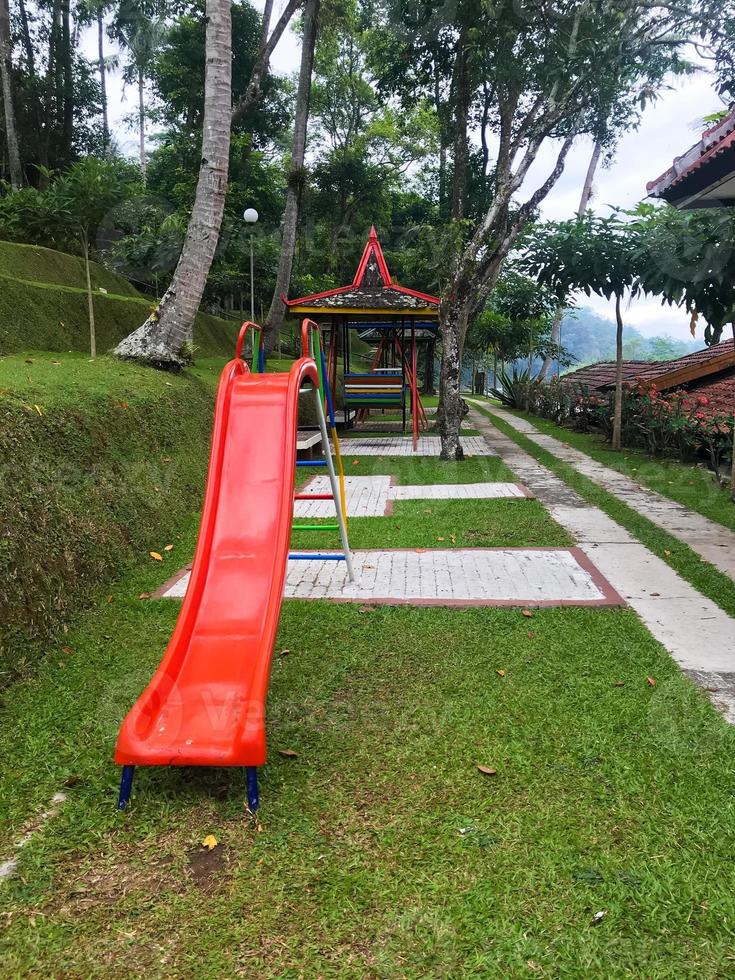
pixel 372 291
pixel 719 392
pixel 666 374
pixel 704 176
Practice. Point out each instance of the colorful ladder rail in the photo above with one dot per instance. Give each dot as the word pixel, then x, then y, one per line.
pixel 311 340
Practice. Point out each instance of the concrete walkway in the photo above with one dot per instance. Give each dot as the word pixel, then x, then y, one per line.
pixel 711 541
pixel 697 633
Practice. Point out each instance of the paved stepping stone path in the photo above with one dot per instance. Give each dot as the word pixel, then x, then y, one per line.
pixel 450 576
pixel 373 496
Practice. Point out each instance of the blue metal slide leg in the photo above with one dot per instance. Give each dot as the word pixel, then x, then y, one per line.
pixel 126 786
pixel 251 774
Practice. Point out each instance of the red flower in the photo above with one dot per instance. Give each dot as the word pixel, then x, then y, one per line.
pixel 702 400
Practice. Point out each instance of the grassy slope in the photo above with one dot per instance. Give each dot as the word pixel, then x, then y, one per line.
pixel 43 306
pixel 35 264
pixel 692 486
pixel 707 579
pixel 97 455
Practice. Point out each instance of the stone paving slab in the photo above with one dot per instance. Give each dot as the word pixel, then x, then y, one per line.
pixel 711 541
pixel 373 496
pixel 448 577
pixel 697 633
pixel 403 446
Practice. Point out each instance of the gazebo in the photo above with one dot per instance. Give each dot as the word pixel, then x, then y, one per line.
pixel 396 318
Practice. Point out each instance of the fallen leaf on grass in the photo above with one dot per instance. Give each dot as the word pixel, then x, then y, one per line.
pixel 355 462
pixel 530 634
pixel 38 409
pixel 169 547
pixel 440 538
pixel 288 753
pixel 598 917
pixel 155 556
pixel 67 650
pixel 619 684
pixel 210 842
pixel 144 595
pixel 366 609
pixel 712 690
pixel 284 653
pixel 500 673
pixel 453 538
pixel 651 681
pixel 487 771
pixel 666 551
pixel 109 599
pixel 72 780
pixel 527 613
pixel 419 551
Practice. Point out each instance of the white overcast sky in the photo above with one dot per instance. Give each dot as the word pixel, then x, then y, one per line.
pixel 668 128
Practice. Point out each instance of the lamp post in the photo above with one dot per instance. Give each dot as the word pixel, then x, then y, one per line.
pixel 251 216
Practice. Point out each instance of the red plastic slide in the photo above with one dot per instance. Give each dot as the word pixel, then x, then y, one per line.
pixel 205 705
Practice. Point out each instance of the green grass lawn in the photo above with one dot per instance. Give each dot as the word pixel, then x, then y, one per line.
pixel 601 846
pixel 692 486
pixel 381 850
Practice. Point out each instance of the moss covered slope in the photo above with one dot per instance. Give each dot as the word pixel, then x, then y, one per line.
pixel 102 462
pixel 43 305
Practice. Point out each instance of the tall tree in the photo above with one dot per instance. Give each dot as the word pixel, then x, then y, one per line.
pixel 164 337
pixel 556 70
pixel 6 75
pixel 598 255
pixel 584 201
pixel 296 175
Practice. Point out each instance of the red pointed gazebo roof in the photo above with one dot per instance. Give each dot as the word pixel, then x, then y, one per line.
pixel 371 292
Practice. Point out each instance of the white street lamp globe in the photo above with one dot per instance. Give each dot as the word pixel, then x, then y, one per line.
pixel 251 216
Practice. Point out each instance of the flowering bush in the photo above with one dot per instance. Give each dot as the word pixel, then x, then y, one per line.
pixel 664 424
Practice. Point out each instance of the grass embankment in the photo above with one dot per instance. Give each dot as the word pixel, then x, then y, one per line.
pixel 707 579
pixel 95 456
pixel 381 850
pixel 43 305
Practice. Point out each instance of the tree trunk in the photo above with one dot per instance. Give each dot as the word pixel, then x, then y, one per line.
pixel 67 88
pixel 11 131
pixel 260 68
pixel 27 43
pixel 90 300
pixel 449 413
pixel 141 123
pixel 163 338
pixel 296 175
pixel 618 404
pixel 583 205
pixel 461 113
pixel 103 82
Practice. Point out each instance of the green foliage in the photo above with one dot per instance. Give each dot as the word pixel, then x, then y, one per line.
pixel 513 389
pixel 102 462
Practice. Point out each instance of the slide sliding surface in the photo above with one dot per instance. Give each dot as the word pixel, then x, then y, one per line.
pixel 206 702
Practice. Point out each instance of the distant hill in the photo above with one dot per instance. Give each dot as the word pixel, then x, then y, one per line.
pixel 591 338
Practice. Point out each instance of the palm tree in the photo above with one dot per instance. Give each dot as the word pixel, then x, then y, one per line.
pixel 164 337
pixel 11 132
pixel 138 27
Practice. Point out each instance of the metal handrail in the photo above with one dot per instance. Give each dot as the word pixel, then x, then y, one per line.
pixel 258 358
